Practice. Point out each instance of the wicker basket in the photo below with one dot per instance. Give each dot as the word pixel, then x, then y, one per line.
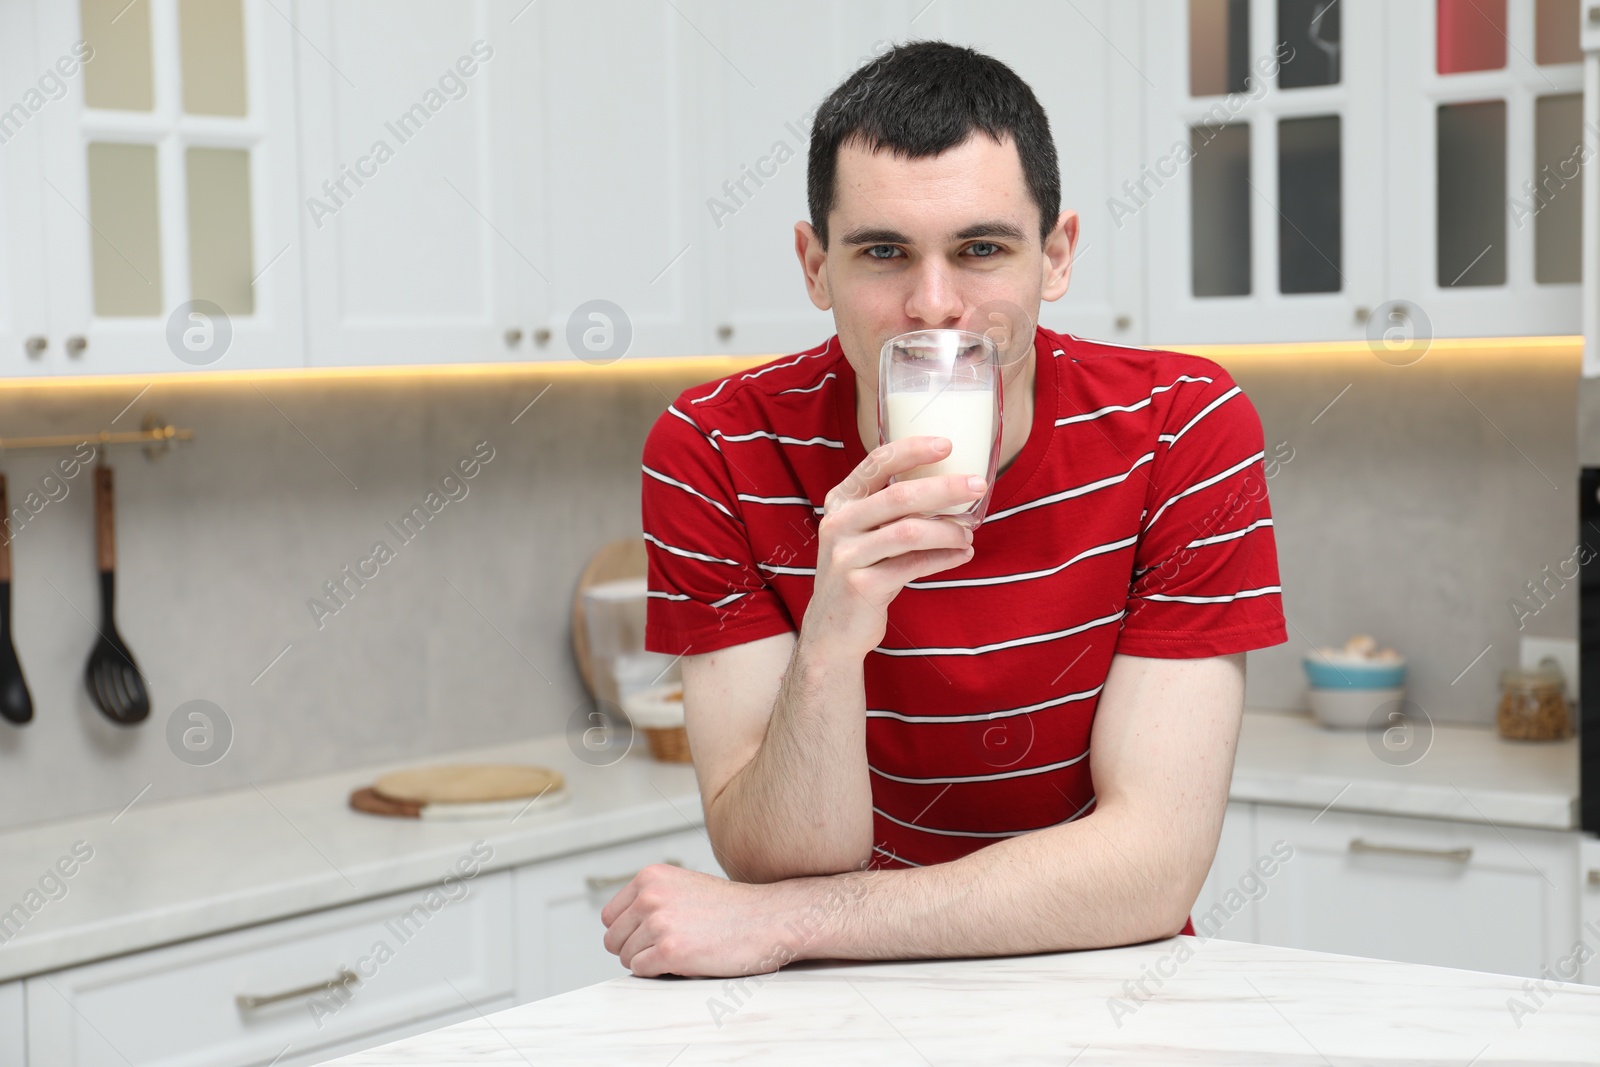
pixel 669 744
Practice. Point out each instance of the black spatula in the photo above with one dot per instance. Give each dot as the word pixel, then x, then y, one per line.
pixel 114 681
pixel 16 705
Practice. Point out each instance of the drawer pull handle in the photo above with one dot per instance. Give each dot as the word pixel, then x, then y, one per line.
pixel 597 882
pixel 1594 875
pixel 1460 855
pixel 345 977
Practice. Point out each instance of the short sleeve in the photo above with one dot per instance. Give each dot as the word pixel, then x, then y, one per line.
pixel 1205 580
pixel 705 590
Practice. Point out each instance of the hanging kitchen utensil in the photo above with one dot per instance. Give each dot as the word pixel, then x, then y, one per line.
pixel 114 681
pixel 16 705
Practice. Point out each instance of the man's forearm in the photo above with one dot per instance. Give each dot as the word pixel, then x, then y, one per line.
pixel 1093 883
pixel 803 804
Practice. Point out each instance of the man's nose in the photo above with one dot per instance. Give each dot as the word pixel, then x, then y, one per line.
pixel 934 299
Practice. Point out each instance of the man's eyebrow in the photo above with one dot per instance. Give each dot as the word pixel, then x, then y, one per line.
pixel 863 235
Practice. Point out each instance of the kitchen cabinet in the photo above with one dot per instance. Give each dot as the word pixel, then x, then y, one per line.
pixel 166 174
pixel 1448 893
pixel 13 1029
pixel 1589 905
pixel 289 992
pixel 558 930
pixel 24 315
pixel 1484 191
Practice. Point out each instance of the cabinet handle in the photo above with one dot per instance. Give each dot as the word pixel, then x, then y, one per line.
pixel 541 336
pixel 597 882
pixel 1460 855
pixel 724 332
pixel 513 337
pixel 35 346
pixel 345 977
pixel 76 345
pixel 1594 876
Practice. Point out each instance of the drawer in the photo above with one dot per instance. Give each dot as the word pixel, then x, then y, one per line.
pixel 283 989
pixel 560 944
pixel 1453 894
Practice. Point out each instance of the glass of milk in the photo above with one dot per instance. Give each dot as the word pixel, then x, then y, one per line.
pixel 944 383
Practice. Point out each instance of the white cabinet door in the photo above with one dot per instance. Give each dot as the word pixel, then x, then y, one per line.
pixel 1226 905
pixel 27 89
pixel 168 184
pixel 1484 188
pixel 13 1028
pixel 781 61
pixel 559 935
pixel 415 219
pixel 1452 894
pixel 1263 205
pixel 1589 904
pixel 616 174
pixel 288 992
pixel 1082 62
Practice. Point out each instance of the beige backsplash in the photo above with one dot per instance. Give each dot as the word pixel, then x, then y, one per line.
pixel 1402 511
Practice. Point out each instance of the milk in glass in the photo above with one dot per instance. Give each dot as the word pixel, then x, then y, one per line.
pixel 965 416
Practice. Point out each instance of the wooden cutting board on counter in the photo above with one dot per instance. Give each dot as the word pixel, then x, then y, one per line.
pixel 462 790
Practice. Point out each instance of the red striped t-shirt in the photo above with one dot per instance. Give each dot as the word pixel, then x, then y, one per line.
pixel 1135 519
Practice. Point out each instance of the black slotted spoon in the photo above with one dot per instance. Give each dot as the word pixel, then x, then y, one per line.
pixel 114 681
pixel 16 705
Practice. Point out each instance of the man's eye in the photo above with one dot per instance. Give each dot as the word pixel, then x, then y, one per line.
pixel 875 249
pixel 984 249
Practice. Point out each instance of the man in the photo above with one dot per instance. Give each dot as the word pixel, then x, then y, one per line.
pixel 892 719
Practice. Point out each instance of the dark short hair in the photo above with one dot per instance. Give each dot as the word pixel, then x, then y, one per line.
pixel 921 98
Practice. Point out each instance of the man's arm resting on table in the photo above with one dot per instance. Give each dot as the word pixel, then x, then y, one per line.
pixel 1163 743
pixel 779 742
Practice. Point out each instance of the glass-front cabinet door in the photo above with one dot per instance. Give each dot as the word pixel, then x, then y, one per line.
pixel 1486 132
pixel 167 183
pixel 1262 179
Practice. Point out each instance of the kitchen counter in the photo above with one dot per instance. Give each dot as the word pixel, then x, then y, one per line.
pixel 167 871
pixel 164 872
pixel 1468 773
pixel 1219 1002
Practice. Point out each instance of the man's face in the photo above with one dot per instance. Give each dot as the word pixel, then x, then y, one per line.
pixel 947 242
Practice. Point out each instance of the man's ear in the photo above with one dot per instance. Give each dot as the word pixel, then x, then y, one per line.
pixel 814 262
pixel 1056 266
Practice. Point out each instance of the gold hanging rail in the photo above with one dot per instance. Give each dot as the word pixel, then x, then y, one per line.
pixel 157 437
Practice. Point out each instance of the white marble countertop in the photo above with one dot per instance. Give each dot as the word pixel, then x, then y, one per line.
pixel 1469 773
pixel 1205 1002
pixel 167 871
pixel 164 872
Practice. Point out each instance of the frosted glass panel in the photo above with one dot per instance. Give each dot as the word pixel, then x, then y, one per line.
pixel 220 251
pixel 1556 32
pixel 1309 206
pixel 1471 35
pixel 119 76
pixel 1557 196
pixel 1311 28
pixel 1219 206
pixel 1472 193
pixel 211 33
pixel 1219 42
pixel 125 234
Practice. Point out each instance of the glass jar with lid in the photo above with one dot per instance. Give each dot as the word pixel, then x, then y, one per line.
pixel 1533 704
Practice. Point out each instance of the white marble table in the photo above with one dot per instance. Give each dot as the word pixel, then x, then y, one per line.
pixel 1208 1002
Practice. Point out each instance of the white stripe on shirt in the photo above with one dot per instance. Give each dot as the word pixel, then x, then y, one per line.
pixel 1240 595
pixel 997 776
pixel 1068 494
pixel 658 476
pixel 876 713
pixel 685 553
pixel 1195 488
pixel 780 438
pixel 810 388
pixel 1089 416
pixel 1024 576
pixel 978 650
pixel 1172 438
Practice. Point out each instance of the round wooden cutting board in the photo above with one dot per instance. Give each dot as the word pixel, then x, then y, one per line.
pixel 467 783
